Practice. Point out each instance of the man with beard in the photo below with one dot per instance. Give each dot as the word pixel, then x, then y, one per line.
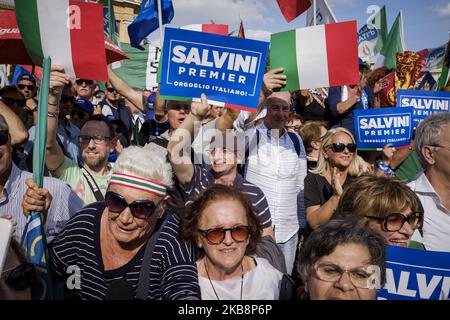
pixel 96 138
pixel 26 84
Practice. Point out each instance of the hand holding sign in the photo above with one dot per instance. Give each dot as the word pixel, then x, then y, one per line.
pixel 273 80
pixel 387 153
pixel 200 109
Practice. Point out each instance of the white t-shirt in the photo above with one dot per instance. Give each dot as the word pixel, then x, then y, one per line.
pixel 261 283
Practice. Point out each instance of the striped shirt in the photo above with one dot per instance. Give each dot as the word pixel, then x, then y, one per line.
pixel 64 205
pixel 275 167
pixel 202 179
pixel 173 272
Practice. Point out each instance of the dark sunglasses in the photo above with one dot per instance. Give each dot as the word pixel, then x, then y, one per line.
pixel 65 99
pixel 23 86
pixel 21 277
pixel 111 90
pixel 395 221
pixel 81 81
pixel 4 136
pixel 9 102
pixel 141 209
pixel 217 235
pixel 81 115
pixel 340 147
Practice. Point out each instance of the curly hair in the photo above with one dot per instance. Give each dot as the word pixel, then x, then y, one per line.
pixel 189 223
pixel 377 74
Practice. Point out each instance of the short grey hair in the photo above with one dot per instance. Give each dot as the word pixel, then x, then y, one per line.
pixel 148 163
pixel 428 132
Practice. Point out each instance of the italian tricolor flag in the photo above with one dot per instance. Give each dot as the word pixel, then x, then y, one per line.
pixel 221 29
pixel 318 56
pixel 70 32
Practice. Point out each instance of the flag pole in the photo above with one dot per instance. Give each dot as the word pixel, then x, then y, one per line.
pixel 160 23
pixel 315 13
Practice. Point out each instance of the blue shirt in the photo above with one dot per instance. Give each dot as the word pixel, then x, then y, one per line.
pixel 345 119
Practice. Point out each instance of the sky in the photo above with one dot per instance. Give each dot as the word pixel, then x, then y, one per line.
pixel 426 23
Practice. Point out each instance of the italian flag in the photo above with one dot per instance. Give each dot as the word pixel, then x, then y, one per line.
pixel 221 29
pixel 318 56
pixel 70 32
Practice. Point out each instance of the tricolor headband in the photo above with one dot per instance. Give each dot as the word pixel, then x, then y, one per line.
pixel 138 183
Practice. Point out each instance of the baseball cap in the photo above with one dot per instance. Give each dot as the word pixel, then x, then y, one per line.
pixel 26 76
pixel 85 104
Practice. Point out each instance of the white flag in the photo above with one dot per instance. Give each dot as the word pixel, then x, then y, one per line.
pixel 324 14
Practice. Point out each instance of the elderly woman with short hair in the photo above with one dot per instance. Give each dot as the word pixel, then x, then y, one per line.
pixel 127 247
pixel 342 260
pixel 221 222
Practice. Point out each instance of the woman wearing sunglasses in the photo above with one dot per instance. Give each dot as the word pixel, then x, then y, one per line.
pixel 18 278
pixel 128 247
pixel 223 226
pixel 386 205
pixel 336 168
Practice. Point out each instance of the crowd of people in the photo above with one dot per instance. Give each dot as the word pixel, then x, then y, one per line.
pixel 201 202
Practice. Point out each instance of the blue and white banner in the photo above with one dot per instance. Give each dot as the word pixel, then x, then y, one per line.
pixel 413 274
pixel 228 70
pixel 375 128
pixel 368 37
pixel 425 103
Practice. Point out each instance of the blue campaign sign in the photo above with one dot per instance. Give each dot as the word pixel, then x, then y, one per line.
pixel 413 274
pixel 375 128
pixel 425 103
pixel 228 70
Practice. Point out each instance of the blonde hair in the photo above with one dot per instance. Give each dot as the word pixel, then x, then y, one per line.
pixel 323 165
pixel 377 196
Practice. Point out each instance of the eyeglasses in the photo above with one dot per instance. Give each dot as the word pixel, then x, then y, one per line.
pixel 97 139
pixel 111 90
pixel 394 221
pixel 217 235
pixel 23 86
pixel 439 146
pixel 330 272
pixel 4 137
pixel 141 209
pixel 21 277
pixel 66 99
pixel 81 81
pixel 340 147
pixel 9 102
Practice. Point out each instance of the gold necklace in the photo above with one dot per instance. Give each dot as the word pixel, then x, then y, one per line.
pixel 212 286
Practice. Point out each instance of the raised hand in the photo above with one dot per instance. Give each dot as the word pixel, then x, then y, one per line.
pixel 273 79
pixel 335 183
pixel 200 109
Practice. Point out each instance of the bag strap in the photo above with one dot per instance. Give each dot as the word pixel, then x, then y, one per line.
pixel 92 184
pixel 296 142
pixel 144 275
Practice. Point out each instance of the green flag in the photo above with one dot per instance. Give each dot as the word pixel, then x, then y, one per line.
pixel 443 81
pixel 380 23
pixel 393 44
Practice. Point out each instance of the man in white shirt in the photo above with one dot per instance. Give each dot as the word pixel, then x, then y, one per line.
pixel 277 164
pixel 432 145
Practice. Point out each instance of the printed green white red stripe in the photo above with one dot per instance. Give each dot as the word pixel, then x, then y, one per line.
pixel 221 29
pixel 138 183
pixel 70 32
pixel 317 56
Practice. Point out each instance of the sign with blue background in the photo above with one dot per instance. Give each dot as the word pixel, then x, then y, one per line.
pixel 375 128
pixel 416 274
pixel 425 103
pixel 228 70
